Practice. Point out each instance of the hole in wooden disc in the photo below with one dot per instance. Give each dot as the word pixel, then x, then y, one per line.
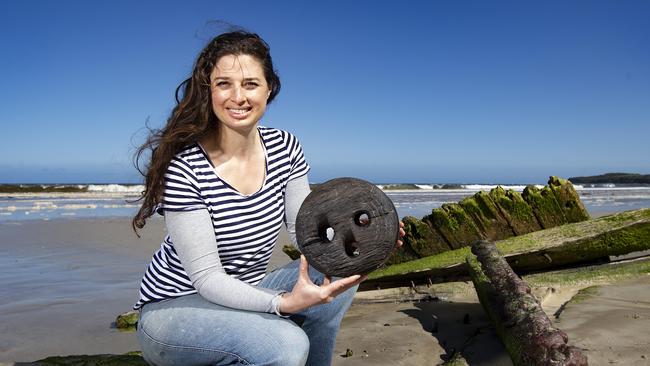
pixel 362 219
pixel 351 249
pixel 329 233
pixel 325 231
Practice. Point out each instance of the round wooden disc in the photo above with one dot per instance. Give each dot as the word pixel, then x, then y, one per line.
pixel 347 226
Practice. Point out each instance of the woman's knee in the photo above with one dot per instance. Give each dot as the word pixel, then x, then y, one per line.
pixel 285 346
pixel 291 347
pixel 168 336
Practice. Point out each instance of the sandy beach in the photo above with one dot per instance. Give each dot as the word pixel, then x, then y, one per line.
pixel 64 281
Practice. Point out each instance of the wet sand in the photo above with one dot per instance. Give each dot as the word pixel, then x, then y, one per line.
pixel 64 281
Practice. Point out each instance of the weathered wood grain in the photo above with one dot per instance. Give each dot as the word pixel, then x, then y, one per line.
pixel 347 226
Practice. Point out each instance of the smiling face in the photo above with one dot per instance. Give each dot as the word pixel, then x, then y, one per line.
pixel 239 91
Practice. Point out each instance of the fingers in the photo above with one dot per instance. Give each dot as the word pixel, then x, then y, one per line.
pixel 327 280
pixel 346 284
pixel 304 269
pixel 401 235
pixel 342 284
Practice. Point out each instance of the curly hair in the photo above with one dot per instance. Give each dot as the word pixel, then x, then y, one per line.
pixel 192 118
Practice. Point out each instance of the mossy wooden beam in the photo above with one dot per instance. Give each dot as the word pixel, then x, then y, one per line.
pixel 568 199
pixel 548 249
pixel 516 211
pixel 130 359
pixel 422 238
pixel 516 314
pixel 545 207
pixel 598 274
pixel 487 216
pixel 455 225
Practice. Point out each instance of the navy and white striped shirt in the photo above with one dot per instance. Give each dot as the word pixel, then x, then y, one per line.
pixel 246 227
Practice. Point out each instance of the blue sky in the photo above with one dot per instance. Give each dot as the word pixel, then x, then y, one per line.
pixel 409 91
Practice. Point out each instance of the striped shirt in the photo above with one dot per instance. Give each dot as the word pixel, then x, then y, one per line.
pixel 246 226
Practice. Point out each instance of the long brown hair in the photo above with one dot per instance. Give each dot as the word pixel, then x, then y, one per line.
pixel 192 118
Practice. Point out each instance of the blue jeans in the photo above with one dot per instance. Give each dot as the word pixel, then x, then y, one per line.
pixel 190 330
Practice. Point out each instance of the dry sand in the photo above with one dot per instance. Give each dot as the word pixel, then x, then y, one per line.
pixel 612 327
pixel 63 282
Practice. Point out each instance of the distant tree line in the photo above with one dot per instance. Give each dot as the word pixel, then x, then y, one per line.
pixel 621 178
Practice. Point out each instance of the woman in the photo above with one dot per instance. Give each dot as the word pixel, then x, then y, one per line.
pixel 225 186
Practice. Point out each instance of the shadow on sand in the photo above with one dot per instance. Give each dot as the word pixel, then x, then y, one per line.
pixel 461 328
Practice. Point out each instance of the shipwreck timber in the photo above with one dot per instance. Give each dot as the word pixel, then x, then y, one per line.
pixel 517 315
pixel 497 215
pixel 557 247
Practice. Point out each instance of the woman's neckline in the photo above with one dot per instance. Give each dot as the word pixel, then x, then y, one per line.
pixel 225 182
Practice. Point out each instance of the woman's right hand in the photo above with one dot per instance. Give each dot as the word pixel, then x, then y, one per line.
pixel 305 293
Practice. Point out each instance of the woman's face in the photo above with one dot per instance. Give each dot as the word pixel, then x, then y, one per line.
pixel 239 91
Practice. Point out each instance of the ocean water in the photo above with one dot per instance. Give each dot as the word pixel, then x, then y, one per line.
pixel 597 200
pixel 97 201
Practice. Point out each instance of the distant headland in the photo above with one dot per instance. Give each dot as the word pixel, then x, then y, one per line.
pixel 617 178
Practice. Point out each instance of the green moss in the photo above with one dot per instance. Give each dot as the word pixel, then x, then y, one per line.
pixel 544 206
pixel 441 260
pixel 516 211
pixel 441 219
pixel 422 238
pixel 130 359
pixel 498 194
pixel 471 207
pixel 486 205
pixel 127 320
pixel 520 209
pixel 591 275
pixel 455 225
pixel 484 216
pixel 557 181
pixel 622 217
pixel 474 267
pixel 633 238
pixel 496 227
pixel 516 244
pixel 569 230
pixel 609 243
pixel 568 199
pixel 291 251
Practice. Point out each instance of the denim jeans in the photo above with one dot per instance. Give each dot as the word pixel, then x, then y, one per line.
pixel 190 330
